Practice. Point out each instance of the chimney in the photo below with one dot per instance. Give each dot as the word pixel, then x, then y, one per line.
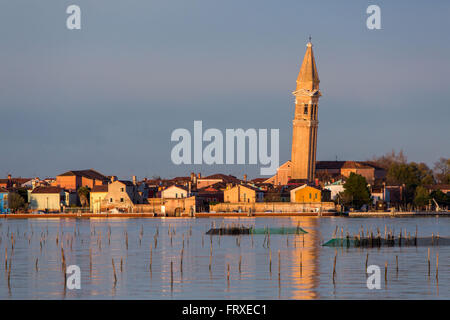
pixel 317 182
pixel 199 175
pixel 113 178
pixel 189 188
pixel 9 177
pixel 245 178
pixel 134 180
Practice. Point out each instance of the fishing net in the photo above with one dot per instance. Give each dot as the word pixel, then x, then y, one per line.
pixel 282 230
pixel 236 230
pixel 380 242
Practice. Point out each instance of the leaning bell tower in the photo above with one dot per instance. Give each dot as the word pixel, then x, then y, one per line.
pixel 305 123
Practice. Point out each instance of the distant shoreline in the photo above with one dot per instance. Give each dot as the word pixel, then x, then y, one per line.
pixel 222 215
pixel 151 215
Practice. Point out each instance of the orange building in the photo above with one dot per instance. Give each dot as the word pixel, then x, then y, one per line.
pixel 72 180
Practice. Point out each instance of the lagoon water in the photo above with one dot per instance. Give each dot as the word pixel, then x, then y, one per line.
pixel 305 270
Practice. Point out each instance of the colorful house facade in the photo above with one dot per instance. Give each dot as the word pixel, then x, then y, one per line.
pixel 306 194
pixel 4 201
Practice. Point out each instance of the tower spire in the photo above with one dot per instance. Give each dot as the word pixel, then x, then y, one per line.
pixel 308 77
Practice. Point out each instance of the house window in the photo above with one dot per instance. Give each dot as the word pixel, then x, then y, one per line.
pixel 305 110
pixel 176 195
pixel 110 200
pixel 121 199
pixel 121 190
pixel 310 196
pixel 315 196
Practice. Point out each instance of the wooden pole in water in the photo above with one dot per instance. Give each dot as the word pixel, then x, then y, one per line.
pixel 437 266
pixel 181 260
pixel 151 257
pixel 334 266
pixel 367 260
pixel 279 265
pixel 171 274
pixel 270 261
pixel 429 265
pixel 301 263
pixel 385 271
pixel 415 238
pixel 210 257
pixel 228 273
pixel 240 262
pixel 9 275
pixel 396 263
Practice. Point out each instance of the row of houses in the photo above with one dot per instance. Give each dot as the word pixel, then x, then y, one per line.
pixel 177 196
pixel 189 194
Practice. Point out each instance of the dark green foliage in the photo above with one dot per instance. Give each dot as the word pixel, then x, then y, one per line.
pixel 83 194
pixel 356 192
pixel 15 201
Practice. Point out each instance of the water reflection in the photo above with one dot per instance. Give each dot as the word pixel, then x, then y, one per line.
pixel 33 249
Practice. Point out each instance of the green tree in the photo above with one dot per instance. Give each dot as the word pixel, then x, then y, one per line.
pixel 411 175
pixel 15 201
pixel 356 192
pixel 83 194
pixel 421 197
pixel 442 171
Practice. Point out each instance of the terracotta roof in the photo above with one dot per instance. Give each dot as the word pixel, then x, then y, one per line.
pixel 346 165
pixel 16 180
pixel 89 173
pixel 103 188
pixel 47 190
pixel 249 187
pixel 126 182
pixel 258 180
pixel 220 176
pixel 218 186
pixel 181 179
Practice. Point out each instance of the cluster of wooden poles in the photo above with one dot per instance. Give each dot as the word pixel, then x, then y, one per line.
pixel 64 241
pixel 366 238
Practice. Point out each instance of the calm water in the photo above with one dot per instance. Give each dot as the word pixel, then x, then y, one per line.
pixel 89 237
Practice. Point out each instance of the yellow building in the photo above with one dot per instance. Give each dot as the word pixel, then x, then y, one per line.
pixel 97 195
pixel 242 193
pixel 306 193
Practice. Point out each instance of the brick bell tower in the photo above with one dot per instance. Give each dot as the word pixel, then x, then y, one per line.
pixel 305 123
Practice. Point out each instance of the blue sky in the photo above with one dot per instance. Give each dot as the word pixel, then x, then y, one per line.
pixel 108 96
